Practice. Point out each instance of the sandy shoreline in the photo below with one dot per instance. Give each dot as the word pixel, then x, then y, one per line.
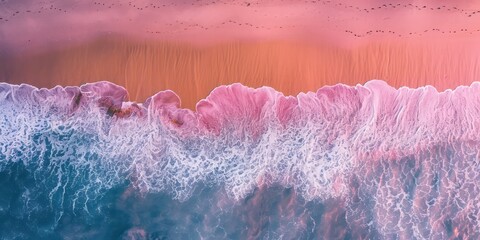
pixel 146 67
pixel 191 47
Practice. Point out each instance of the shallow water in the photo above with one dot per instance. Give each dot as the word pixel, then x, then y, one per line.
pixel 359 162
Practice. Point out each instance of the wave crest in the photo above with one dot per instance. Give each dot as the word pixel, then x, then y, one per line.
pixel 351 143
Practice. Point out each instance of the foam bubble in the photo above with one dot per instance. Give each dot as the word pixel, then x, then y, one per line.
pixel 389 154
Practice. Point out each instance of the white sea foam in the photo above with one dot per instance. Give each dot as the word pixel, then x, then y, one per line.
pixel 399 166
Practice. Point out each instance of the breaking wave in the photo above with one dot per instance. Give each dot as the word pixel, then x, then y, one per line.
pixel 366 161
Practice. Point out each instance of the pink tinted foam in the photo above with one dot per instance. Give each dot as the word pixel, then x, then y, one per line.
pixel 378 120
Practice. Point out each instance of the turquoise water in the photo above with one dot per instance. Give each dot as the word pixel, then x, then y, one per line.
pixel 72 167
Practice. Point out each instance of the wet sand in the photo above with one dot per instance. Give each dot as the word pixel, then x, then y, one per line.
pixel 192 47
pixel 145 67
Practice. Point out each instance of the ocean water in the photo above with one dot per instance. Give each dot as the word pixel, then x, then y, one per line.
pixel 345 162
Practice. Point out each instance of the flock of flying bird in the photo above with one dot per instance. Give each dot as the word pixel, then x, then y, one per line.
pixel 9 12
